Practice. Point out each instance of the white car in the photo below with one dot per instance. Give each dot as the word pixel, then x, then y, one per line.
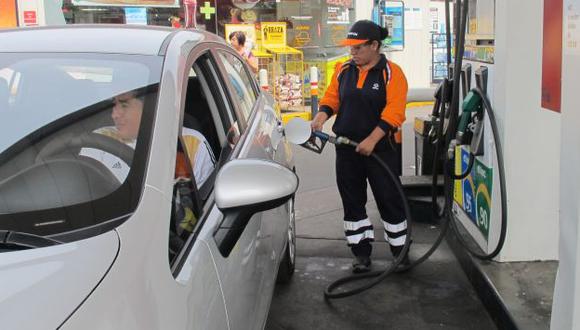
pixel 105 219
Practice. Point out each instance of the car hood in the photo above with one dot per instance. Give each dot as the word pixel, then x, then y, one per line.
pixel 41 288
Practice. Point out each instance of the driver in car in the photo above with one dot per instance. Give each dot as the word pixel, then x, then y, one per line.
pixel 126 115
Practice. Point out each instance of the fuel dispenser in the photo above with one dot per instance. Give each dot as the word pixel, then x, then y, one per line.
pixel 479 193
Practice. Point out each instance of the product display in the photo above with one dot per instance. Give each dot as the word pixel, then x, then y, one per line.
pixel 288 91
pixel 288 74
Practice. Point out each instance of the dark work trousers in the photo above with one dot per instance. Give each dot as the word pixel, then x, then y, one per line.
pixel 352 172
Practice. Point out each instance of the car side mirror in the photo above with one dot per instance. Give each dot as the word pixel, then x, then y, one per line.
pixel 245 187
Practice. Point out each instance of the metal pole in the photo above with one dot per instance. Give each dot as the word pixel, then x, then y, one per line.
pixel 314 90
pixel 263 79
pixel 448 34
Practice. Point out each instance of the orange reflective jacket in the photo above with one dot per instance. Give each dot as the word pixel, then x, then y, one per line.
pixel 365 99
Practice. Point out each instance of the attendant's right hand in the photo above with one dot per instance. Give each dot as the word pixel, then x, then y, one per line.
pixel 318 121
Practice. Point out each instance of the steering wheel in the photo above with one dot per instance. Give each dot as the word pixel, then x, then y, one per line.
pixel 87 140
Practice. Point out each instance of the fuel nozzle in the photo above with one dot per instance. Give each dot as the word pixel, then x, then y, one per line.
pixel 472 110
pixel 338 140
pixel 316 142
pixel 439 114
pixel 299 132
pixel 470 127
pixel 345 141
pixel 334 139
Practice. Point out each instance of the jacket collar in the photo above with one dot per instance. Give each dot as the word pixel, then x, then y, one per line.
pixel 381 64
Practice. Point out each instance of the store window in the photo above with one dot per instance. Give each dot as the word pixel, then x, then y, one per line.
pixel 152 12
pixel 245 12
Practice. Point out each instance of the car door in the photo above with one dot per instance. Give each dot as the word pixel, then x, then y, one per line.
pixel 260 140
pixel 243 271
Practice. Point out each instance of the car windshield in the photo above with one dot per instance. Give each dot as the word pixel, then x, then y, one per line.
pixel 74 137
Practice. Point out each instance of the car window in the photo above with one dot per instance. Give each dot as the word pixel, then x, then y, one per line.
pixel 241 82
pixel 73 126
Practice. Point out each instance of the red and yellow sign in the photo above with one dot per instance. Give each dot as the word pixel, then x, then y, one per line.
pixel 8 14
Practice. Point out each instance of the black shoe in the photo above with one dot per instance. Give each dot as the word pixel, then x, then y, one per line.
pixel 361 264
pixel 396 250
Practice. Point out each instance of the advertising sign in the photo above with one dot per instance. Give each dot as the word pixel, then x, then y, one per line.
pixel 30 17
pixel 394 20
pixel 468 186
pixel 413 18
pixel 8 14
pixel 136 15
pixel 302 35
pixel 552 55
pixel 337 15
pixel 274 34
pixel 30 13
pixel 458 189
pixel 483 182
pixel 473 194
pixel 126 3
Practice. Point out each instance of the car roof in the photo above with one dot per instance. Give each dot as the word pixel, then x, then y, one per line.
pixel 116 39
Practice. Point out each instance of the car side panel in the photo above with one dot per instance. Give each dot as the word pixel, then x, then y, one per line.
pixel 139 292
pixel 282 154
pixel 241 275
pixel 248 290
pixel 275 222
pixel 31 279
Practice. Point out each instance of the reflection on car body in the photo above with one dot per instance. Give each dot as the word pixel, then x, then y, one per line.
pixel 142 182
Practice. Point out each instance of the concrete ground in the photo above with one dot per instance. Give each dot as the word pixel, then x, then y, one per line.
pixel 434 295
pixel 526 288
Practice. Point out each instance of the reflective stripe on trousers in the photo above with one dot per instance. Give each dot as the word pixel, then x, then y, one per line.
pixel 358 231
pixel 396 234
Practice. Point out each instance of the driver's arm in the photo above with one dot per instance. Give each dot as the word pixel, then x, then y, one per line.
pixel 116 165
pixel 200 154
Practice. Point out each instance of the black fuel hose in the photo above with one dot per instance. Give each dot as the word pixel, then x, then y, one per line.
pixel 439 140
pixel 467 172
